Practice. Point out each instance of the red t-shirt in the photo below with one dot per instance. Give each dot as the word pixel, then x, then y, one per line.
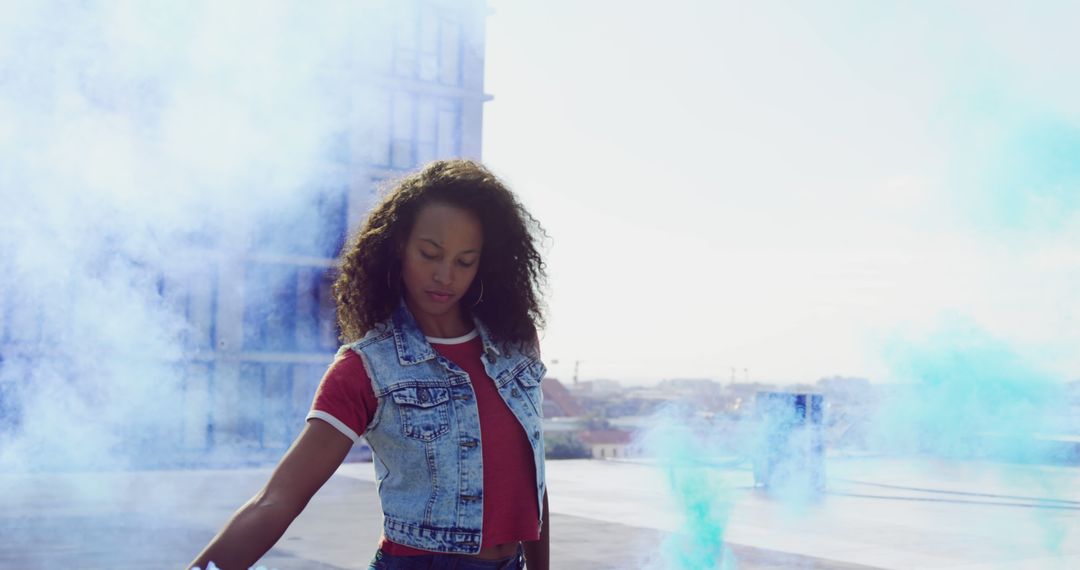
pixel 346 400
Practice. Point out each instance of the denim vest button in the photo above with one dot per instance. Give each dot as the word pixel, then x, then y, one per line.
pixel 491 358
pixel 516 393
pixel 536 434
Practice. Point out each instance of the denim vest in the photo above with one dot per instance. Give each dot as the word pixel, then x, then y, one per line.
pixel 425 433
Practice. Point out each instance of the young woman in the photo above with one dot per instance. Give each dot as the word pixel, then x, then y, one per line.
pixel 439 299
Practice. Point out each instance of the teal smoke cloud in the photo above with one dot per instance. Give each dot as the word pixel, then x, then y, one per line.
pixel 967 394
pixel 682 445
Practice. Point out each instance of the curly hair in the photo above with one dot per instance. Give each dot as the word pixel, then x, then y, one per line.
pixel 511 269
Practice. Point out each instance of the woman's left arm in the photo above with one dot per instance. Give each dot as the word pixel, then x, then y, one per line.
pixel 537 551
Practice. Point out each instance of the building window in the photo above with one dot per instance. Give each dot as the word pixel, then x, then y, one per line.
pixel 450 50
pixel 379 137
pixel 427 139
pixel 275 400
pixel 6 310
pixel 428 54
pixel 10 402
pixel 270 307
pixel 194 297
pixel 317 228
pixel 448 127
pixel 316 328
pixel 428 44
pixel 306 378
pixel 403 111
pixel 288 308
pixel 421 129
pixel 406 40
pixel 196 431
pixel 252 397
pixel 330 224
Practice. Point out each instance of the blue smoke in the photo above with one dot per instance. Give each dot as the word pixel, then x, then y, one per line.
pixel 147 151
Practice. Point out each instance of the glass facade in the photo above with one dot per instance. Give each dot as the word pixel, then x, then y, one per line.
pixel 315 228
pixel 288 308
pixel 196 430
pixel 418 129
pixel 428 43
pixel 194 299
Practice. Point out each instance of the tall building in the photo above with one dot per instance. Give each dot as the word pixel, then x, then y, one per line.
pixel 261 316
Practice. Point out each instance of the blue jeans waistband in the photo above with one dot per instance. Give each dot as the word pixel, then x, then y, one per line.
pixel 436 561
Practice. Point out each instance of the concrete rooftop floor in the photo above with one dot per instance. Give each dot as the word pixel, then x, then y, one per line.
pixel 605 514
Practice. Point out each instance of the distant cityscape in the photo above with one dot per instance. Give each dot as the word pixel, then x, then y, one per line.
pixel 600 418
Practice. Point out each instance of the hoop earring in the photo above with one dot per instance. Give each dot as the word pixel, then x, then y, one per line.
pixel 481 297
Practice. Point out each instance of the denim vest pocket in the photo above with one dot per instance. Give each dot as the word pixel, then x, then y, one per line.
pixel 424 411
pixel 529 380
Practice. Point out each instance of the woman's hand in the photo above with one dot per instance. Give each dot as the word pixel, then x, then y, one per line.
pixel 258 525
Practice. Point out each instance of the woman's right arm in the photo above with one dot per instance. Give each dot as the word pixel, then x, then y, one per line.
pixel 258 525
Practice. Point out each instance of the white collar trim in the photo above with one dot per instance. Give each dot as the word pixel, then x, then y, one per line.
pixel 456 340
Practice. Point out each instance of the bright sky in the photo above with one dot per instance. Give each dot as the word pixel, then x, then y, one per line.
pixel 784 188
